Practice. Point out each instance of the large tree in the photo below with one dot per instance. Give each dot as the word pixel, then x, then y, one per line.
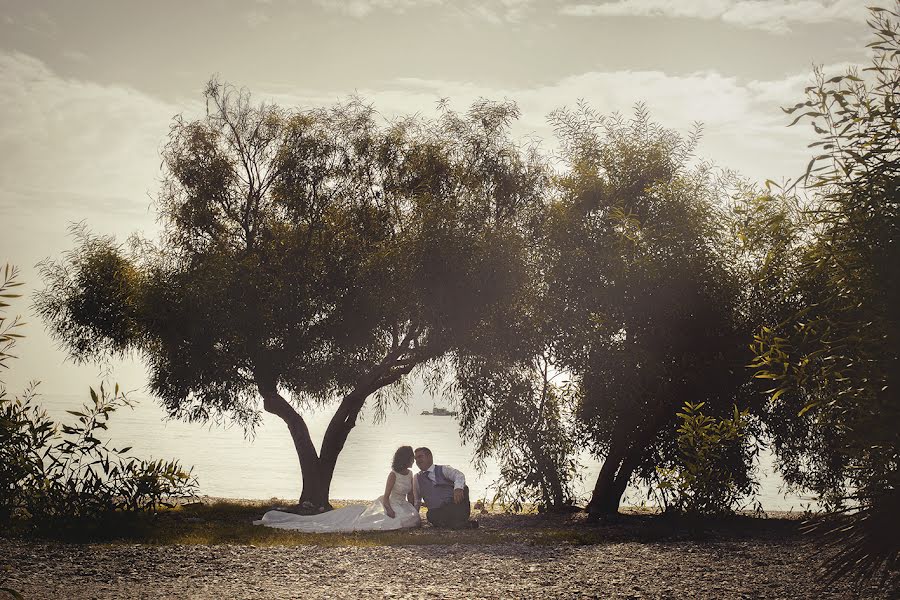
pixel 649 308
pixel 306 257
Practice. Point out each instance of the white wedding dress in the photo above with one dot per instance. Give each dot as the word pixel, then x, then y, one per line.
pixel 354 518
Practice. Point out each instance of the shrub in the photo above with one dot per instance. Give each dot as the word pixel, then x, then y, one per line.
pixel 714 454
pixel 24 430
pixel 51 473
pixel 55 474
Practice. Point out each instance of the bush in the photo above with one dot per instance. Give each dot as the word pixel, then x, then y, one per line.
pixel 50 474
pixel 54 474
pixel 24 430
pixel 713 474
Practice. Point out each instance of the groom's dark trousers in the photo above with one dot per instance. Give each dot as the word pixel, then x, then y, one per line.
pixel 451 515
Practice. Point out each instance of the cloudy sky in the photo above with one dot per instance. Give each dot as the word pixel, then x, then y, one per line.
pixel 88 89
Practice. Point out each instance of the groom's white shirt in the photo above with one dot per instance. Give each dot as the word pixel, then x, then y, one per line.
pixel 457 477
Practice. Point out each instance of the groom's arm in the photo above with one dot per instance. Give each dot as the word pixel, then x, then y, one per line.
pixel 459 482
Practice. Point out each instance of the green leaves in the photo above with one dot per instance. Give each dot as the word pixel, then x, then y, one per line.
pixel 517 415
pixel 705 480
pixel 8 333
pixel 646 283
pixel 74 477
pixel 835 411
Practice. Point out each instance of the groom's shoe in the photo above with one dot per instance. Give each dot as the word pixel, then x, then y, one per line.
pixel 473 524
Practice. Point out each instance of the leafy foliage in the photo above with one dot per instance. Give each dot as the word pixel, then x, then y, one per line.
pixel 54 475
pixel 522 419
pixel 834 361
pixel 703 482
pixel 24 429
pixel 320 254
pixel 68 474
pixel 8 334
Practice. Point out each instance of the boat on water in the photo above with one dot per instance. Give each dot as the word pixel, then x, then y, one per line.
pixel 437 411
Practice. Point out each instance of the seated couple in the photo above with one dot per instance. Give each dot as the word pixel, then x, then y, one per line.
pixel 440 487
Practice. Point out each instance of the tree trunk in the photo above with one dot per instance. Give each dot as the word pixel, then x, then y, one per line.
pixel 554 497
pixel 391 369
pixel 317 469
pixel 625 455
pixel 556 487
pixel 602 500
pixel 603 489
pixel 313 489
pixel 611 499
pixel 343 421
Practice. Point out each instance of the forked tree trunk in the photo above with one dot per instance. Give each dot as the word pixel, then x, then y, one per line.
pixel 608 496
pixel 317 469
pixel 627 450
pixel 604 500
pixel 313 489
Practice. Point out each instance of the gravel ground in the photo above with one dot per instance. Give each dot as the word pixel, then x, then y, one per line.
pixel 635 556
pixel 732 568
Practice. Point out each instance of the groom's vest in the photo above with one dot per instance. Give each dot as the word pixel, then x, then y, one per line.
pixel 438 492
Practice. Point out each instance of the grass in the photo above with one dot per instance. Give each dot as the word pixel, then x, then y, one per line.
pixel 231 522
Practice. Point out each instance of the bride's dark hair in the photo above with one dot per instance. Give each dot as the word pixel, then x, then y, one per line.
pixel 402 458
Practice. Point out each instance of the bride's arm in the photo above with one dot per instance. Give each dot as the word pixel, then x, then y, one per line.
pixel 386 499
pixel 413 495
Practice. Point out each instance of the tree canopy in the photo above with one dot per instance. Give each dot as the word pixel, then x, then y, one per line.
pixel 318 254
pixel 648 305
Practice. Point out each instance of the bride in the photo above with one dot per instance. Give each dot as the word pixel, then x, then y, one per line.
pixel 397 509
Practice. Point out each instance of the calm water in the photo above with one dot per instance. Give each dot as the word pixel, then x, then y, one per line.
pixel 228 465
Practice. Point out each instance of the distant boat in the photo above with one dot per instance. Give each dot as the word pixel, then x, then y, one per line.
pixel 437 411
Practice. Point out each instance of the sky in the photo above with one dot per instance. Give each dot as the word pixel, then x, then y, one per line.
pixel 88 90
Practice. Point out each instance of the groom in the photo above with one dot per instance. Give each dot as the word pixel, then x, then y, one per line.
pixel 443 490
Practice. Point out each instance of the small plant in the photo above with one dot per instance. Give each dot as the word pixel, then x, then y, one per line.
pixel 714 455
pixel 24 431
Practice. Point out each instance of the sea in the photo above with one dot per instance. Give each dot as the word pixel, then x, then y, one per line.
pixel 227 463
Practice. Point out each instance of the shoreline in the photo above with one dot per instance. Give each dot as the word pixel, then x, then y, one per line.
pixel 791 515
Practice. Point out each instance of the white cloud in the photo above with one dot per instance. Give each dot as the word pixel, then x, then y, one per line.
pixel 493 11
pixel 76 56
pixel 73 145
pixel 499 12
pixel 256 18
pixel 361 8
pixel 744 127
pixel 774 16
pixel 72 150
pixel 79 150
pixel 79 147
pixel 35 21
